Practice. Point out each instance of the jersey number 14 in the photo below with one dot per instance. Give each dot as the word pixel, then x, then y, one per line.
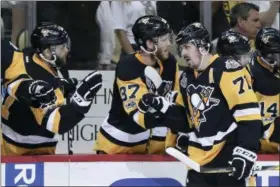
pixel 272 109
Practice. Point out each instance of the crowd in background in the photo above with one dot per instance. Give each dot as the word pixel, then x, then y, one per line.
pixel 100 32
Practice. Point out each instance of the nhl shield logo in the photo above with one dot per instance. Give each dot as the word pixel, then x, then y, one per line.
pixel 200 101
pixel 184 80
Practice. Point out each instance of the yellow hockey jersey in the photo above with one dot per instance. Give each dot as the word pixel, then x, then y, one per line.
pixel 126 130
pixel 266 84
pixel 29 130
pixel 218 110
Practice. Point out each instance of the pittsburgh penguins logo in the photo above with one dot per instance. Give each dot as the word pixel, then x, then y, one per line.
pixel 200 101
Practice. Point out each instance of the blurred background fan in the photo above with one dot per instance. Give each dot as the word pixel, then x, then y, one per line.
pixel 10 4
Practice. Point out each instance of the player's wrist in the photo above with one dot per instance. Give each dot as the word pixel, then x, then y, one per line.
pixel 245 153
pixel 164 106
pixel 171 96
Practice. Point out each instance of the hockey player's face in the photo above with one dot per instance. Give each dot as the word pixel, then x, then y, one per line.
pixel 191 55
pixel 163 45
pixel 61 52
pixel 273 59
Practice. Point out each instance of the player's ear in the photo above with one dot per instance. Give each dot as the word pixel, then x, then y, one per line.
pixel 150 45
pixel 203 51
pixel 47 53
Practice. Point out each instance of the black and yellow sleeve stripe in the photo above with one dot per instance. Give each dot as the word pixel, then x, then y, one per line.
pixel 59 120
pixel 19 87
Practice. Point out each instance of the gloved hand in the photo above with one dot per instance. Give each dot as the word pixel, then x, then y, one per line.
pixel 166 91
pixel 42 94
pixel 243 163
pixel 69 85
pixel 86 91
pixel 171 96
pixel 151 101
pixel 182 142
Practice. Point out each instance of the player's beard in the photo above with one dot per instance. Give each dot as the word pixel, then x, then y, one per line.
pixel 162 55
pixel 60 62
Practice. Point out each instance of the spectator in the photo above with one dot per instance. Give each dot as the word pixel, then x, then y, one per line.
pixel 221 16
pixel 269 13
pixel 125 13
pixel 244 19
pixel 107 44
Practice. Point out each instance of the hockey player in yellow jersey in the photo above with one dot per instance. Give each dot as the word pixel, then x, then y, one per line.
pixel 265 70
pixel 264 74
pixel 30 128
pixel 216 113
pixel 28 90
pixel 7 52
pixel 235 45
pixel 127 130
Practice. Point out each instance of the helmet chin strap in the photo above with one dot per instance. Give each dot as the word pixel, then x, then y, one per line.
pixel 203 54
pixel 149 52
pixel 51 62
pixel 271 65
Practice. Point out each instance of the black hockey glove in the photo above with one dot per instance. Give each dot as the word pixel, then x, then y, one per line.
pixel 42 94
pixel 171 96
pixel 182 142
pixel 165 91
pixel 69 85
pixel 86 91
pixel 150 102
pixel 243 162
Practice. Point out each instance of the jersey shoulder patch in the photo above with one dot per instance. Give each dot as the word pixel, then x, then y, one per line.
pixel 186 72
pixel 232 64
pixel 227 64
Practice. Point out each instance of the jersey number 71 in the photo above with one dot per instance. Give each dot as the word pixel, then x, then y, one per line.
pixel 241 81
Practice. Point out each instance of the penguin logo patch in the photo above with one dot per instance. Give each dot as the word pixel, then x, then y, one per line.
pixel 201 101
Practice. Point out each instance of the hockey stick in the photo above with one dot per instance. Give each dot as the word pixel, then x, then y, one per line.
pixel 70 133
pixel 200 169
pixel 70 138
